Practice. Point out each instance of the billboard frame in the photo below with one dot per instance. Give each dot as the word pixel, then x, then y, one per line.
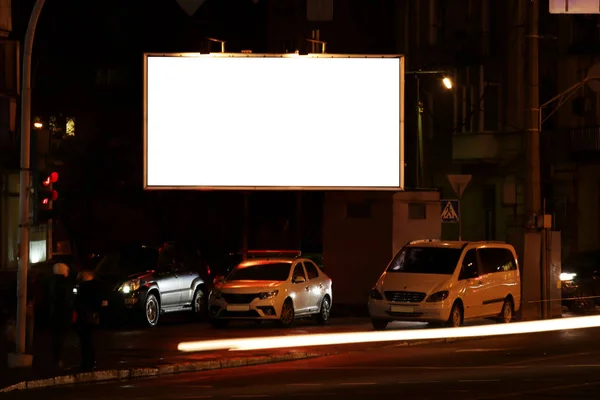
pixel 273 188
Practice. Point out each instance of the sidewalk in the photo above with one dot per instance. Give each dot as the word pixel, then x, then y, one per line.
pixel 129 361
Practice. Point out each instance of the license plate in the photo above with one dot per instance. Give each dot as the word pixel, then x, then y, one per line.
pixel 402 309
pixel 104 303
pixel 238 308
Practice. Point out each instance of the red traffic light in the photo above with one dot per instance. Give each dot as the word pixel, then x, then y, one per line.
pixel 52 178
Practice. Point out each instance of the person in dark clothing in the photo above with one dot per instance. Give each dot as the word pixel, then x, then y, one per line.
pixel 87 307
pixel 61 309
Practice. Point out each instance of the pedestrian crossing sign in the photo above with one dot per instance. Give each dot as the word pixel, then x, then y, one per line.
pixel 450 211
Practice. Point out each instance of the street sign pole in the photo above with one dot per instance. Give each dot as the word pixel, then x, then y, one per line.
pixel 459 184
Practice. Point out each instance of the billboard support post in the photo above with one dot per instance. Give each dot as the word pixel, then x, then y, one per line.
pixel 245 227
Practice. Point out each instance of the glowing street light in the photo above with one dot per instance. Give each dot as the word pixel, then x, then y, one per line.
pixel 447 82
pixel 38 125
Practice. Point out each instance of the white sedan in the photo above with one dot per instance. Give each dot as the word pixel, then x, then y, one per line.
pixel 279 289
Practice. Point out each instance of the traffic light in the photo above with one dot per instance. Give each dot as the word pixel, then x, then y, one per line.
pixel 44 196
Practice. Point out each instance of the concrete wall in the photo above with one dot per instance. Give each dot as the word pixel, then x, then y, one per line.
pixel 406 227
pixel 362 231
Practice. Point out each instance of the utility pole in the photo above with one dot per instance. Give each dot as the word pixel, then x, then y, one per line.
pixel 19 358
pixel 534 196
pixel 538 253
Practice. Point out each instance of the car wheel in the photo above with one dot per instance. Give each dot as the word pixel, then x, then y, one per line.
pixel 199 304
pixel 219 323
pixel 287 314
pixel 324 312
pixel 152 310
pixel 379 324
pixel 456 316
pixel 507 311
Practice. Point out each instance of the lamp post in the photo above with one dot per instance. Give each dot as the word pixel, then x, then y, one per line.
pixel 447 82
pixel 19 358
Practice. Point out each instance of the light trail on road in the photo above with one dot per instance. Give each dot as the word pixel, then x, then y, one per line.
pixel 278 342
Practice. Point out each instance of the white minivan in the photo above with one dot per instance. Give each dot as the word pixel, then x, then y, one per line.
pixel 447 282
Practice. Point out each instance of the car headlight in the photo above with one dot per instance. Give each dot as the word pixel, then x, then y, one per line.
pixel 130 286
pixel 268 295
pixel 565 276
pixel 75 290
pixel 439 296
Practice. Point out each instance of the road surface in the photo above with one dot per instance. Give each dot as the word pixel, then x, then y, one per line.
pixel 557 365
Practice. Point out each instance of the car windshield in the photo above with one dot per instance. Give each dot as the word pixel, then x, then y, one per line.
pixel 426 260
pixel 261 272
pixel 128 261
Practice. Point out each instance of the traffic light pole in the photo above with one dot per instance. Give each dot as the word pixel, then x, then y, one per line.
pixel 19 358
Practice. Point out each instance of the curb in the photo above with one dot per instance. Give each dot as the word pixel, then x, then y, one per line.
pixel 168 369
pixel 122 374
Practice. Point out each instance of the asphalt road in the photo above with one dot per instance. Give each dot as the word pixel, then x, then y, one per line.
pixel 556 365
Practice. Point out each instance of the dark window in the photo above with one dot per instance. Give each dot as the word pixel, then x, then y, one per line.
pixel 425 260
pixel 585 30
pixel 299 272
pixel 311 270
pixel 469 266
pixel 496 260
pixel 491 107
pixel 358 210
pixel 261 272
pixel 129 261
pixel 417 211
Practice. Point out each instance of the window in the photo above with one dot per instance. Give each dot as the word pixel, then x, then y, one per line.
pixel 585 30
pixel 311 270
pixel 426 260
pixel 358 210
pixel 496 260
pixel 465 112
pixel 70 128
pixel 469 268
pixel 261 272
pixel 298 272
pixel 417 211
pixel 491 107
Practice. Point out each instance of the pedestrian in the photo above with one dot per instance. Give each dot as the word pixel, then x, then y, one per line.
pixel 87 307
pixel 61 309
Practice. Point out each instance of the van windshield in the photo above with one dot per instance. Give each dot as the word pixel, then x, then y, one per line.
pixel 426 260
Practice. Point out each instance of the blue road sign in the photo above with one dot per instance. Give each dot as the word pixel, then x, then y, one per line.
pixel 450 211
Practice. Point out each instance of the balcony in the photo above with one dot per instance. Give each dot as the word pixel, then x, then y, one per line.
pixel 486 147
pixel 584 144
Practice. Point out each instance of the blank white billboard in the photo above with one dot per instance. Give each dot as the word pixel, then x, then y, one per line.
pixel 574 6
pixel 273 122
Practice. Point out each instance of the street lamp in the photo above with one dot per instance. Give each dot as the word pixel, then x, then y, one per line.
pixel 448 85
pixel 447 82
pixel 38 125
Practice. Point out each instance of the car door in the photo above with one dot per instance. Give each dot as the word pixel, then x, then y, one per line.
pixel 301 290
pixel 315 284
pixel 494 261
pixel 470 285
pixel 187 272
pixel 167 280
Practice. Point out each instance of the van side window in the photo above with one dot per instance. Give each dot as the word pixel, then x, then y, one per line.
pixel 469 266
pixel 496 260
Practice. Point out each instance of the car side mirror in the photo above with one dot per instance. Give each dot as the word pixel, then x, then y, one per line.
pixel 299 279
pixel 218 279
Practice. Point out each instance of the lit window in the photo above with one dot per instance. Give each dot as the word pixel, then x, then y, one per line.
pixel 70 128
